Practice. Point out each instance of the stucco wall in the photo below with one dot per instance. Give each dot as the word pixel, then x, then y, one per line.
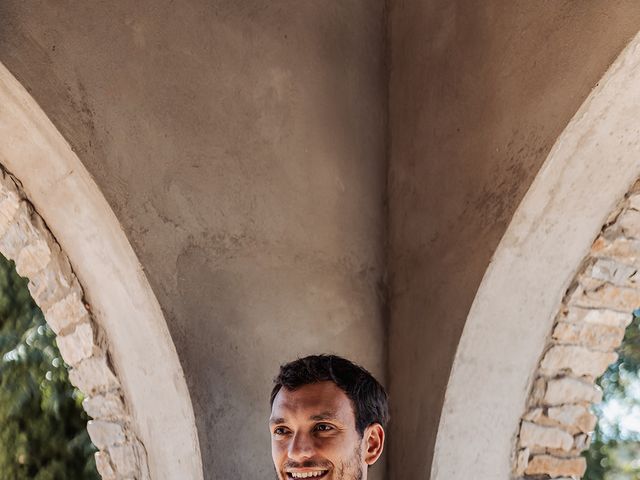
pixel 478 94
pixel 241 146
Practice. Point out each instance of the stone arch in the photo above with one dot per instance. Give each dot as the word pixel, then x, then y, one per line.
pixel 589 326
pixel 25 239
pixel 112 333
pixel 588 171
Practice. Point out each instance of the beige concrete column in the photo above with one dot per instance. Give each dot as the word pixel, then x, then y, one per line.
pixel 241 147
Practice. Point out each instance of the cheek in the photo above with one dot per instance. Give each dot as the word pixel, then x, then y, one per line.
pixel 337 447
pixel 278 451
pixel 350 448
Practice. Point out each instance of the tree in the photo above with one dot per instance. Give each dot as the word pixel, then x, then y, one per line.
pixel 43 432
pixel 615 448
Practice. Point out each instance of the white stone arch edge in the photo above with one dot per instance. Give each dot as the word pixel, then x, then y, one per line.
pixel 589 327
pixel 25 239
pixel 590 168
pixel 131 325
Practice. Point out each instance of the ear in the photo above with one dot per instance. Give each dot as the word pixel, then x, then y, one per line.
pixel 373 443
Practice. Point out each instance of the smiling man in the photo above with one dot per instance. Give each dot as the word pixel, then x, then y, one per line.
pixel 328 417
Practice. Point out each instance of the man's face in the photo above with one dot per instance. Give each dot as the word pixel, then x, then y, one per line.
pixel 313 434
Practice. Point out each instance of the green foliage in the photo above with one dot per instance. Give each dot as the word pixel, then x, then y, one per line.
pixel 43 432
pixel 615 449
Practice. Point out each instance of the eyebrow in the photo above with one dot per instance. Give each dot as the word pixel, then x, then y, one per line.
pixel 328 415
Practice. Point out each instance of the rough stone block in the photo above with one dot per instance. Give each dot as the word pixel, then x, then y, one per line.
pixel 533 415
pixel 570 390
pixel 538 416
pixel 555 452
pixel 20 232
pixel 611 271
pixel 577 416
pixel 556 467
pixel 634 202
pixel 93 375
pixel 582 441
pixel 124 459
pixel 103 465
pixel 105 406
pixel 104 434
pixel 532 436
pixel 578 360
pixel 77 345
pixel 629 222
pixel 595 294
pixel 595 336
pixel 622 249
pixel 522 461
pixel 538 391
pixel 9 204
pixel 33 258
pixel 53 283
pixel 66 313
pixel 595 316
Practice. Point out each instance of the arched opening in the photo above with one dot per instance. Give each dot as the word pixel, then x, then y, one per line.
pixel 588 171
pixel 43 431
pixel 589 327
pixel 614 453
pixel 85 277
pixel 25 239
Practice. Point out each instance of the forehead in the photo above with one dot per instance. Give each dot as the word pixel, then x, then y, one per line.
pixel 314 399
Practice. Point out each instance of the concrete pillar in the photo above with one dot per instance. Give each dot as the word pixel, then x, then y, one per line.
pixel 241 145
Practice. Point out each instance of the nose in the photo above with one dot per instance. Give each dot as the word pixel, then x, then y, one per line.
pixel 301 447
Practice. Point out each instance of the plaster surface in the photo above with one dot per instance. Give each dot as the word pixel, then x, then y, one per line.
pixel 241 147
pixel 479 92
pixel 588 171
pixel 77 214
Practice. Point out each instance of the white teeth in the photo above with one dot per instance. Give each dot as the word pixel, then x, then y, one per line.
pixel 307 474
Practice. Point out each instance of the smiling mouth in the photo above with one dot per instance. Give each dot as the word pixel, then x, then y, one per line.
pixel 313 474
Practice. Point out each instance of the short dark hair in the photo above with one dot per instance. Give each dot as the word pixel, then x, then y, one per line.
pixel 369 398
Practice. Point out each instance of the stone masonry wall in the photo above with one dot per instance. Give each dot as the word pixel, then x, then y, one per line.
pixel 25 239
pixel 590 325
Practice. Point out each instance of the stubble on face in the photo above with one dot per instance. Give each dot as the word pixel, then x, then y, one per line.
pixel 349 470
pixel 352 469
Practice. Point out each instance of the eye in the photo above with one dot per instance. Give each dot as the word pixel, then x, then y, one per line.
pixel 280 431
pixel 324 427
